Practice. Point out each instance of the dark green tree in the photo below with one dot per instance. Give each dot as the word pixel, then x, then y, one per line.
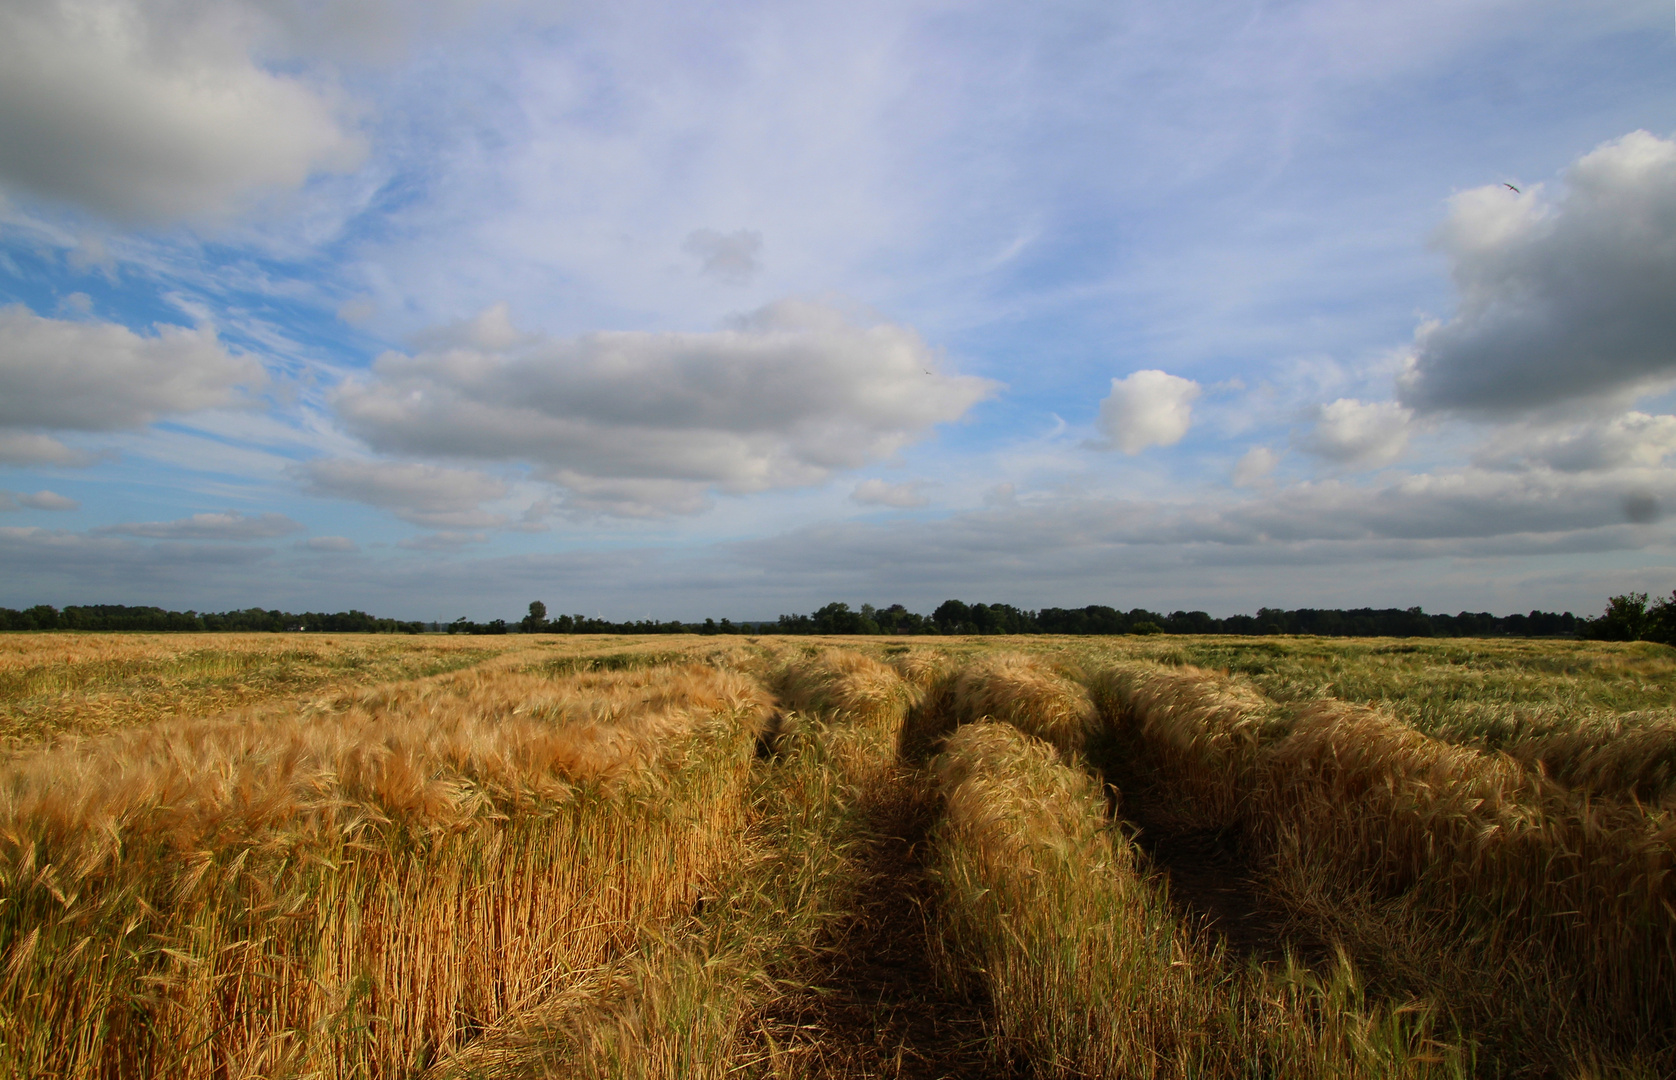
pixel 1625 618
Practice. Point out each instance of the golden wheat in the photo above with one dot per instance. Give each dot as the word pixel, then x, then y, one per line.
pixel 1522 874
pixel 361 888
pixel 1091 976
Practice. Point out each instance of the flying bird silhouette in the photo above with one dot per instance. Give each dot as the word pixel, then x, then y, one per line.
pixel 1511 188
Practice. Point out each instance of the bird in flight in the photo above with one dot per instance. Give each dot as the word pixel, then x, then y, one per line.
pixel 1511 188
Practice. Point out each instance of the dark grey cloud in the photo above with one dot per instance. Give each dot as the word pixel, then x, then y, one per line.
pixel 637 423
pixel 1559 300
pixel 1051 551
pixel 228 525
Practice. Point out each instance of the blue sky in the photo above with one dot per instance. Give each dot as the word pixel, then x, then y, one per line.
pixel 438 308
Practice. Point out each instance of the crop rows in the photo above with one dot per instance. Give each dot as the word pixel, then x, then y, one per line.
pixel 775 859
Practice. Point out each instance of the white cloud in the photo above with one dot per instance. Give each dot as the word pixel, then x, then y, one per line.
pixel 652 422
pixel 1147 408
pixel 231 525
pixel 1254 466
pixel 1360 433
pixel 97 376
pixel 152 112
pixel 731 258
pixel 1628 440
pixel 40 500
pixel 1562 299
pixel 903 496
pixel 429 495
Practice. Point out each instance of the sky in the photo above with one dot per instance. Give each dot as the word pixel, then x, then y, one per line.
pixel 667 310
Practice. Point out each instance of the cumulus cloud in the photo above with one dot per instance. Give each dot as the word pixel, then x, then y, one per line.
pixel 82 376
pixel 730 257
pixel 231 525
pixel 1629 440
pixel 643 423
pixel 1562 299
pixel 1254 466
pixel 150 112
pixel 1360 433
pixel 904 496
pixel 40 500
pixel 428 495
pixel 1147 408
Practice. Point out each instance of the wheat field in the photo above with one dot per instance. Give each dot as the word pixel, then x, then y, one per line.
pixel 340 856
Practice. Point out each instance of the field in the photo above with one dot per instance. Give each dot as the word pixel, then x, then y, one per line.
pixel 362 856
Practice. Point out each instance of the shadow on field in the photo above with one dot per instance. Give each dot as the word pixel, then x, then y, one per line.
pixel 876 1007
pixel 1213 882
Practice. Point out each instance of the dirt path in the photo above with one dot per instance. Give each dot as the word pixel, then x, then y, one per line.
pixel 876 1008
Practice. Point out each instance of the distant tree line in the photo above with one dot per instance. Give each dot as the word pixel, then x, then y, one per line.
pixel 1630 617
pixel 959 617
pixel 121 617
